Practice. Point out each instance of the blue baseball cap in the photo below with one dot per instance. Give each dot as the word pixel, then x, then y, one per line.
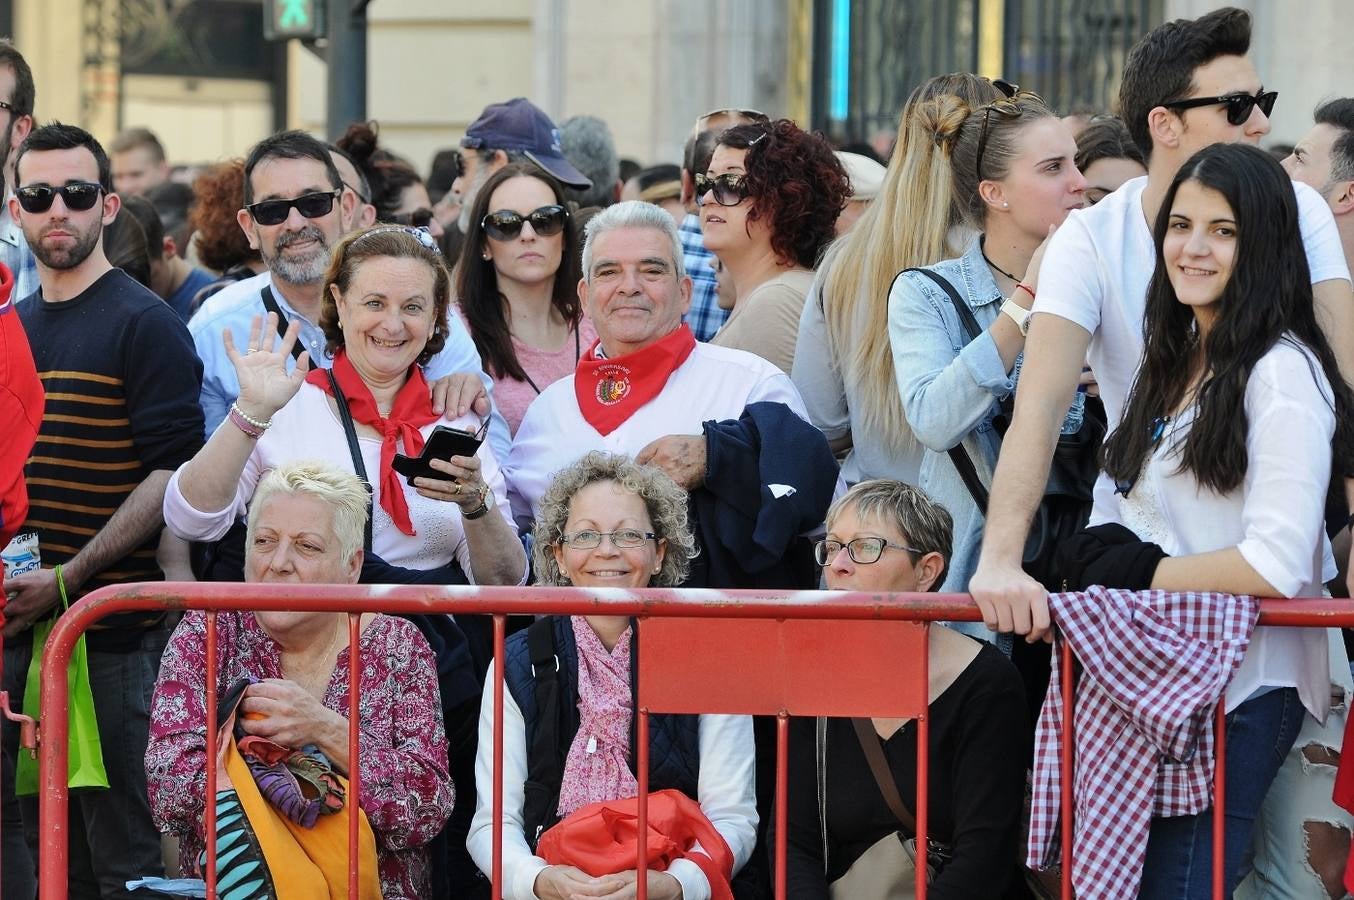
pixel 520 125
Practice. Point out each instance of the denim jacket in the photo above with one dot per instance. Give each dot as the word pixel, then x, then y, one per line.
pixel 951 387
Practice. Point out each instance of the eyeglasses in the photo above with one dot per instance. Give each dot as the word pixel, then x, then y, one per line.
pixel 1011 106
pixel 419 218
pixel 624 538
pixel 863 550
pixel 729 189
pixel 506 225
pixel 77 195
pixel 1239 106
pixel 312 206
pixel 752 114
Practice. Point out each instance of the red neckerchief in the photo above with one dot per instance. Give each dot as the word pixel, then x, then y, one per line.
pixel 413 409
pixel 609 391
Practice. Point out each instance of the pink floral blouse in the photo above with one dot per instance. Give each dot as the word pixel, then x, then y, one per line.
pixel 407 792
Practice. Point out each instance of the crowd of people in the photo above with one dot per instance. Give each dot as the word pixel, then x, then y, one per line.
pixel 1094 373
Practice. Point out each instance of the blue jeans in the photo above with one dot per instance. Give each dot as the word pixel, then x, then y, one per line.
pixel 112 836
pixel 1179 864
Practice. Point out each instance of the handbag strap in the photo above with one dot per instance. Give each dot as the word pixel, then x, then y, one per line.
pixel 958 455
pixel 544 768
pixel 359 467
pixel 270 304
pixel 883 776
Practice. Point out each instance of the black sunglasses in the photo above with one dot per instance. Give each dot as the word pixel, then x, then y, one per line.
pixel 506 225
pixel 419 218
pixel 312 206
pixel 78 196
pixel 729 189
pixel 1239 106
pixel 1009 106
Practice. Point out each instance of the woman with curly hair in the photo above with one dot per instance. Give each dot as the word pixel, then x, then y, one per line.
pixel 606 522
pixel 768 205
pixel 218 240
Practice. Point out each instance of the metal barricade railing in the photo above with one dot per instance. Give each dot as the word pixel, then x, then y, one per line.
pixel 786 664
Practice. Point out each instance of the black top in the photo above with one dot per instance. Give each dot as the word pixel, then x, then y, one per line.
pixel 979 749
pixel 122 380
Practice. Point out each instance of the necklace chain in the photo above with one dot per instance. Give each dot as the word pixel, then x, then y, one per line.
pixel 310 672
pixel 983 251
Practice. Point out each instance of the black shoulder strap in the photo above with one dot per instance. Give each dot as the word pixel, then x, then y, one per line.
pixel 350 431
pixel 545 769
pixel 270 304
pixel 958 455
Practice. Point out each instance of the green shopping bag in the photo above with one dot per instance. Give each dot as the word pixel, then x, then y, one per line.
pixel 85 758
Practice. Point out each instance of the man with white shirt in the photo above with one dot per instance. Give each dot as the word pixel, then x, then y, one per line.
pixel 703 414
pixel 295 210
pixel 17 96
pixel 1187 84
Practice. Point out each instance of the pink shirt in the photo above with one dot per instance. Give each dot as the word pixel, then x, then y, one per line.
pixel 544 367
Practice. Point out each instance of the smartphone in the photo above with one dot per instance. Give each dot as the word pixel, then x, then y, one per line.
pixel 444 443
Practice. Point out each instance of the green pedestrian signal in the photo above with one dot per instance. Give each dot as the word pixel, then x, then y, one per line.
pixel 287 19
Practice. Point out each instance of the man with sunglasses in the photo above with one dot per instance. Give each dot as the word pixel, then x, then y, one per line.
pixel 296 209
pixel 122 381
pixel 1187 84
pixel 17 96
pixel 705 315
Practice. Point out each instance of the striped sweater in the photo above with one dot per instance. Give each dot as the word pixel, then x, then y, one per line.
pixel 122 382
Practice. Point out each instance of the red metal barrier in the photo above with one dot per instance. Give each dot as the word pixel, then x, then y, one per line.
pixel 774 632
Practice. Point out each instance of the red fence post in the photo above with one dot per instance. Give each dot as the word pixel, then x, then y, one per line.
pixel 354 758
pixel 496 875
pixel 1068 761
pixel 1220 800
pixel 210 734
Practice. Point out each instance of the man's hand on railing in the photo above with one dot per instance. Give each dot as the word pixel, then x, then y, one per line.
pixel 1010 600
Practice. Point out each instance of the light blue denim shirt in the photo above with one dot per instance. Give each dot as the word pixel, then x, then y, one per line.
pixel 951 388
pixel 234 308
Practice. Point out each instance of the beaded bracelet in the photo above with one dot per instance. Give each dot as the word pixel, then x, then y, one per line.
pixel 250 426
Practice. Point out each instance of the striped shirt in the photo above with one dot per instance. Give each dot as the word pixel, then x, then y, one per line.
pixel 122 383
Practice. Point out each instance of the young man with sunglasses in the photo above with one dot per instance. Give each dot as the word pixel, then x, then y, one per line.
pixel 296 208
pixel 122 381
pixel 1187 84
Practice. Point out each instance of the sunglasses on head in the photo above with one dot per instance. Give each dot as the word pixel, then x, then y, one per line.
pixel 751 115
pixel 729 189
pixel 1239 106
pixel 506 225
pixel 312 206
pixel 1008 106
pixel 77 195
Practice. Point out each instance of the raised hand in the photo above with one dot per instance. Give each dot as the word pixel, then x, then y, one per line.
pixel 265 383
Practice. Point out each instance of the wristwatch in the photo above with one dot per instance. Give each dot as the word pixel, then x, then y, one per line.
pixel 486 504
pixel 1018 314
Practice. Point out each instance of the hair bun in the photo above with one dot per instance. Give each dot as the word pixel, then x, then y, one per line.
pixel 943 117
pixel 359 142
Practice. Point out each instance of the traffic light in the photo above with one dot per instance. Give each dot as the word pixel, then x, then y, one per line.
pixel 286 19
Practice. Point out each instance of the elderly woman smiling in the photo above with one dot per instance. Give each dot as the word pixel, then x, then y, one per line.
pixel 606 522
pixel 385 314
pixel 305 527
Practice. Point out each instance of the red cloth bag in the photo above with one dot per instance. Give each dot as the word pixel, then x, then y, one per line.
pixel 601 839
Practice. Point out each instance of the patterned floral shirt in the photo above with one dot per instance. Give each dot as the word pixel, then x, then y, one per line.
pixel 406 790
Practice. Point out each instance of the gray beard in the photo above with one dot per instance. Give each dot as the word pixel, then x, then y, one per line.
pixel 307 269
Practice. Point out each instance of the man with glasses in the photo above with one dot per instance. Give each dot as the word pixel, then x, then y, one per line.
pixel 364 211
pixel 1187 84
pixel 17 96
pixel 296 208
pixel 705 316
pixel 122 381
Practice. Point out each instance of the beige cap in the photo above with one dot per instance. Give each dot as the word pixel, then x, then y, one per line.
pixel 867 176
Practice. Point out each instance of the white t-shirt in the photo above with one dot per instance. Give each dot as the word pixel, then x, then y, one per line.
pixel 714 383
pixel 1096 271
pixel 1274 518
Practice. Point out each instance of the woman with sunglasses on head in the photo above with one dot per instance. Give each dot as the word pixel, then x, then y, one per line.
pixel 886 536
pixel 517 286
pixel 843 362
pixel 1008 165
pixel 768 204
pixel 1222 458
pixel 606 522
pixel 385 303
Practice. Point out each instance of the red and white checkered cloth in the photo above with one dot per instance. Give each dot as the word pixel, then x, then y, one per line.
pixel 1154 666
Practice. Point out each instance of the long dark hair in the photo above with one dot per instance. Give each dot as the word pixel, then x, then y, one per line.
pixel 1268 298
pixel 477 280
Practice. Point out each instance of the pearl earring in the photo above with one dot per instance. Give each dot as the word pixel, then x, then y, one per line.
pixel 485 256
pixel 1005 205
